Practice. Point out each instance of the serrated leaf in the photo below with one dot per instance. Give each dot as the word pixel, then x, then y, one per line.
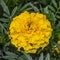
pixel 5 15
pixel 11 59
pixel 41 56
pixel 47 57
pixel 24 57
pixel 7 57
pixel 41 9
pixel 44 2
pixel 11 54
pixel 27 56
pixel 2 38
pixel 4 20
pixel 14 11
pixel 34 7
pixel 53 19
pixel 2 28
pixel 5 8
pixel 24 7
pixel 20 58
pixel 54 3
pixel 51 8
pixel 58 24
pixel 7 44
pixel 58 16
pixel 28 9
pixel 46 10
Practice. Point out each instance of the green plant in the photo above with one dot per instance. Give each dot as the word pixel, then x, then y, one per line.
pixel 51 10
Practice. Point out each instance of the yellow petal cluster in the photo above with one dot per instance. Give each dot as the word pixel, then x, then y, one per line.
pixel 30 31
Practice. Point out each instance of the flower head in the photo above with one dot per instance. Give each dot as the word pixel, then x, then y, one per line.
pixel 30 31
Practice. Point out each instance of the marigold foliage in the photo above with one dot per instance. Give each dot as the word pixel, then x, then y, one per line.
pixel 30 31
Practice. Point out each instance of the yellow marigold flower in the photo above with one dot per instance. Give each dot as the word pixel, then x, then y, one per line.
pixel 30 31
pixel 56 48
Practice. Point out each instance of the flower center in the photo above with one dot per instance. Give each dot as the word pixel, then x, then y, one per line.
pixel 29 24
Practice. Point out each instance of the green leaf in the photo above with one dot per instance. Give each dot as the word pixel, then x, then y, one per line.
pixel 44 2
pixel 59 3
pixel 6 1
pixel 46 10
pixel 7 44
pixel 34 7
pixel 51 8
pixel 58 16
pixel 11 59
pixel 27 56
pixel 54 3
pixel 52 19
pixel 5 25
pixel 28 9
pixel 41 9
pixel 5 8
pixel 14 11
pixel 24 7
pixel 5 15
pixel 8 58
pixel 41 56
pixel 28 5
pixel 47 57
pixel 4 20
pixel 2 38
pixel 54 8
pixel 58 25
pixel 20 58
pixel 11 54
pixel 3 28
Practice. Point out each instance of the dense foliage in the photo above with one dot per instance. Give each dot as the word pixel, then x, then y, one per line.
pixel 12 8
